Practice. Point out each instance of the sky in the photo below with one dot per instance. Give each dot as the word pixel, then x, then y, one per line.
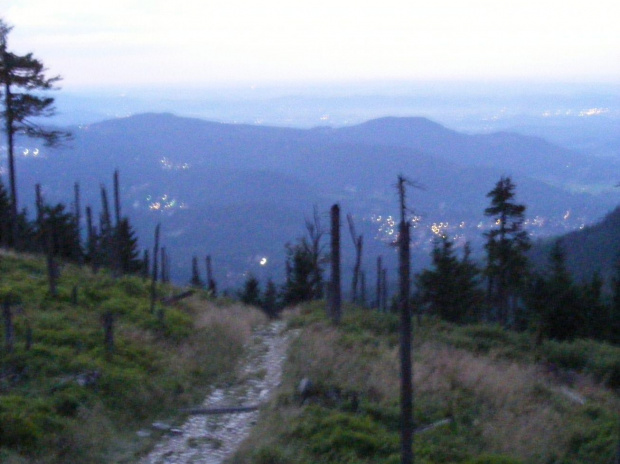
pixel 97 44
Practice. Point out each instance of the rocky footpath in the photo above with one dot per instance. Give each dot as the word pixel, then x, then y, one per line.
pixel 211 437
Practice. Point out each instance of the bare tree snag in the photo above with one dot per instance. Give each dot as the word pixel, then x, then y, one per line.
pixel 406 368
pixel 358 243
pixel 91 246
pixel 145 264
pixel 52 267
pixel 117 200
pixel 154 276
pixel 378 290
pixel 77 218
pixel 9 330
pixel 384 290
pixel 108 332
pixel 363 288
pixel 211 286
pixel 335 296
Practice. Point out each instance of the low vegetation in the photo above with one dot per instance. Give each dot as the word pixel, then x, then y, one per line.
pixel 67 397
pixel 482 395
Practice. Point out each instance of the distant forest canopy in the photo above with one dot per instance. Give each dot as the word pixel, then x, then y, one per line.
pixel 207 182
pixel 595 248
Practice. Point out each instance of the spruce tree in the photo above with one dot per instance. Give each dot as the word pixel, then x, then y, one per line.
pixel 450 289
pixel 506 245
pixel 270 299
pixel 250 295
pixel 128 251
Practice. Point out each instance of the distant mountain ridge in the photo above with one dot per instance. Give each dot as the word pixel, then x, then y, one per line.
pixel 242 191
pixel 596 248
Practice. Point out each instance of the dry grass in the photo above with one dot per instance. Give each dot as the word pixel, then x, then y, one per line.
pixel 510 408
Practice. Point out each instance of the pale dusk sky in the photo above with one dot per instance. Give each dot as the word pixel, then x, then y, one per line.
pixel 203 42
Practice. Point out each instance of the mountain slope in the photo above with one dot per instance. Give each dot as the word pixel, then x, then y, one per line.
pixel 241 192
pixel 595 248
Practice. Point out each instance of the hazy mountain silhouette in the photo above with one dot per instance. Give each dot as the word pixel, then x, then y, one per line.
pixel 594 248
pixel 242 191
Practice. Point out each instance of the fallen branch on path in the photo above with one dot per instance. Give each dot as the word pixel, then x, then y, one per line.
pixel 226 410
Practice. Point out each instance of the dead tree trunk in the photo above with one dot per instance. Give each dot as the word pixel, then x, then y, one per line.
pixel 52 267
pixel 9 330
pixel 108 332
pixel 406 368
pixel 363 288
pixel 41 245
pixel 117 200
pixel 378 290
pixel 28 344
pixel 384 291
pixel 358 243
pixel 77 216
pixel 210 281
pixel 145 264
pixel 154 278
pixel 162 261
pixel 116 239
pixel 335 296
pixel 92 248
pixel 106 247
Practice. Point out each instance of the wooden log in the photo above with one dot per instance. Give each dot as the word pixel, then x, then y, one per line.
pixel 176 298
pixel 225 410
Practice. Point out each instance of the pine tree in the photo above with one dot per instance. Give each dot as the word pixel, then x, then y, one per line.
pixel 450 290
pixel 614 313
pixel 23 80
pixel 555 301
pixel 301 279
pixel 250 295
pixel 128 251
pixel 506 246
pixel 270 300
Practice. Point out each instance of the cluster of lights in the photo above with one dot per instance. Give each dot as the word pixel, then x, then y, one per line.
pixel 387 226
pixel 163 203
pixel 168 165
pixel 27 152
pixel 439 229
pixel 593 112
pixel 537 221
pixel 582 113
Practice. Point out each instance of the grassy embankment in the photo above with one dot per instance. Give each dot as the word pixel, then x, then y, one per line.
pixel 67 400
pixel 507 403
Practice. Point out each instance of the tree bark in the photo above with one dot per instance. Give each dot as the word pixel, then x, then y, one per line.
pixel 9 331
pixel 154 277
pixel 335 296
pixel 406 368
pixel 379 286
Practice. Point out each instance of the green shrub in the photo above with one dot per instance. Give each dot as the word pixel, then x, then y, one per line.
pixel 599 359
pixel 344 437
pixel 492 459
